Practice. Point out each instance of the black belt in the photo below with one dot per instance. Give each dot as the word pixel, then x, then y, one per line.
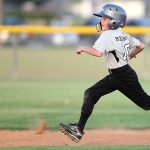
pixel 119 70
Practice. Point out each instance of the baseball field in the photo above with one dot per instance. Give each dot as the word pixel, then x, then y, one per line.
pixel 49 90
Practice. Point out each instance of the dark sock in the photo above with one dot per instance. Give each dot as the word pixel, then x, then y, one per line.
pixel 82 121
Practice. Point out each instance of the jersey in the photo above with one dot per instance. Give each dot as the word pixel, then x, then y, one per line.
pixel 115 46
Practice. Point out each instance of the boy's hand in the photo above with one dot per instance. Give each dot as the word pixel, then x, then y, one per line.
pixel 79 50
pixel 130 57
pixel 137 50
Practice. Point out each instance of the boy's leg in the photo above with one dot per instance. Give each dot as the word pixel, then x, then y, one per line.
pixel 137 95
pixel 128 84
pixel 91 96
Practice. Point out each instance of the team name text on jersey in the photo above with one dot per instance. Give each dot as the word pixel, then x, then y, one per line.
pixel 121 38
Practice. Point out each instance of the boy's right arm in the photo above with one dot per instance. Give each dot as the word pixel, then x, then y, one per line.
pixel 137 50
pixel 90 50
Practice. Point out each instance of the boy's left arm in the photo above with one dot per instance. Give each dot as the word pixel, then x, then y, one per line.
pixel 137 50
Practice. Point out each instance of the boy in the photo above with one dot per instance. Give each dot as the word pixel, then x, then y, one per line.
pixel 114 45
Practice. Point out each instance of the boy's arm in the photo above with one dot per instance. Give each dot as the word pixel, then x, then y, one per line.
pixel 90 50
pixel 137 50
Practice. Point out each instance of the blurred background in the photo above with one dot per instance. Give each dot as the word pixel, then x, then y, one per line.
pixel 28 55
pixel 41 77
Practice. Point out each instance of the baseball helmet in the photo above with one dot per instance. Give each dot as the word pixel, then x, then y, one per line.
pixel 114 12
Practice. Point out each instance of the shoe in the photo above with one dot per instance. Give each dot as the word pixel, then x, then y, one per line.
pixel 72 131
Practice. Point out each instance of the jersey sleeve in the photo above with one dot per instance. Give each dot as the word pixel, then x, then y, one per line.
pixel 133 41
pixel 101 43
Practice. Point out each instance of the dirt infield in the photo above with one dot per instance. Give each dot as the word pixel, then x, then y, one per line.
pixel 99 137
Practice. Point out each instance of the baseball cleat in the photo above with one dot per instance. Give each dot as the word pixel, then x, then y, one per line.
pixel 72 131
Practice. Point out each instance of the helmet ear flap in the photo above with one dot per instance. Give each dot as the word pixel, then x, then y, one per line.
pixel 99 27
pixel 113 24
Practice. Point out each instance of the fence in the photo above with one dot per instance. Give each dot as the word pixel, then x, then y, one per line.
pixel 74 29
pixel 25 64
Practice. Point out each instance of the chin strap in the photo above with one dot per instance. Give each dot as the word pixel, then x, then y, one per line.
pixel 99 27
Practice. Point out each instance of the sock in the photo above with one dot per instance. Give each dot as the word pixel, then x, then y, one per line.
pixel 82 121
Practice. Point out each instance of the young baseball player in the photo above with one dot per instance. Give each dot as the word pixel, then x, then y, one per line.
pixel 116 47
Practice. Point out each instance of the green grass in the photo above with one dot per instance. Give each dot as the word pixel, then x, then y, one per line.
pixel 50 87
pixel 61 64
pixel 81 148
pixel 23 103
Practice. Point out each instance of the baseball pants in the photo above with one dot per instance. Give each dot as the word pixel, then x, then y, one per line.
pixel 123 79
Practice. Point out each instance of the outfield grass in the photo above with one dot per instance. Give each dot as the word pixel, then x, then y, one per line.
pixel 50 87
pixel 61 64
pixel 23 103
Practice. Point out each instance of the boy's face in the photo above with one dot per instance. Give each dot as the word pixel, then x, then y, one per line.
pixel 104 23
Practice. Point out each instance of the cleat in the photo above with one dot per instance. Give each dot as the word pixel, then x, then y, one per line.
pixel 72 131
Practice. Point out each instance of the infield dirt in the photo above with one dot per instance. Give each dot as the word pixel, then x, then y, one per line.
pixel 98 137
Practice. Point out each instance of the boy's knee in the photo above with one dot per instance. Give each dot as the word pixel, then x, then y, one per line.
pixel 90 97
pixel 88 103
pixel 87 95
